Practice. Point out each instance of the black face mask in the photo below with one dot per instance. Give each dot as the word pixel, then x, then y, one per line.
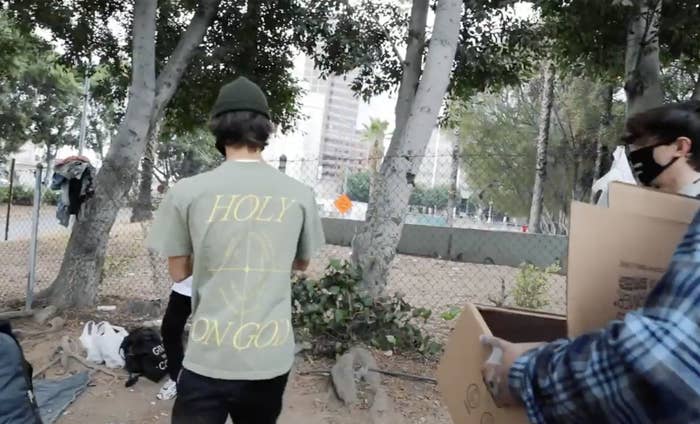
pixel 645 167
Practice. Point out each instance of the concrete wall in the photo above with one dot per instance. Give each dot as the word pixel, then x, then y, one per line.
pixel 464 245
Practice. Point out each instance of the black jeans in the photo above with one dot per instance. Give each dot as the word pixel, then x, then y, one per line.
pixel 204 400
pixel 172 330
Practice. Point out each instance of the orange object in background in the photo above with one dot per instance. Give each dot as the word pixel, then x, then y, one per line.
pixel 343 204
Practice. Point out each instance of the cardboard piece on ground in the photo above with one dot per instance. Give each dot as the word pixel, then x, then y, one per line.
pixel 459 374
pixel 615 259
pixel 652 203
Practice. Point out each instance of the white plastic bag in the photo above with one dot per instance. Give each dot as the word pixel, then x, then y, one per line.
pixel 619 171
pixel 109 340
pixel 88 340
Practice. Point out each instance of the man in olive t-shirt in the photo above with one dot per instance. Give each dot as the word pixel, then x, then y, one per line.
pixel 247 226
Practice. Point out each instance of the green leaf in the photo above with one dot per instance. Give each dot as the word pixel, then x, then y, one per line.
pixel 391 339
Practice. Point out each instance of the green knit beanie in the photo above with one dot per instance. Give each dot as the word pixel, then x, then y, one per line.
pixel 241 95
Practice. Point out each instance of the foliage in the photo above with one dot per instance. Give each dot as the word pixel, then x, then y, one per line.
pixel 434 197
pixel 336 314
pixel 590 36
pixel 531 285
pixel 183 155
pixel 24 196
pixel 498 146
pixel 358 187
pixel 39 97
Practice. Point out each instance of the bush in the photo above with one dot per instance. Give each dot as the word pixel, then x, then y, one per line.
pixel 335 314
pixel 51 197
pixel 21 196
pixel 531 286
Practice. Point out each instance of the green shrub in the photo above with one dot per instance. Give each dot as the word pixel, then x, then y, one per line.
pixel 531 286
pixel 335 314
pixel 21 195
pixel 51 197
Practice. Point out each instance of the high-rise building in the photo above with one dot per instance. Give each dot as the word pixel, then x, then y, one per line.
pixel 341 148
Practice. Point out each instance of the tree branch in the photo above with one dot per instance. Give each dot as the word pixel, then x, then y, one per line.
pixel 180 58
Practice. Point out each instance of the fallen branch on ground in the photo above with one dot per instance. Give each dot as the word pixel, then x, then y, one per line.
pixel 388 373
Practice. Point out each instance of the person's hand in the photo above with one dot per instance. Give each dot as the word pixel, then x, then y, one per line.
pixel 496 368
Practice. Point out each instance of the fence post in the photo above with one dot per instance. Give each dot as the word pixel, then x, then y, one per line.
pixel 283 164
pixel 31 281
pixel 9 198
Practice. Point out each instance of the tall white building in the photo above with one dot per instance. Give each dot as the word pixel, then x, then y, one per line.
pixel 326 146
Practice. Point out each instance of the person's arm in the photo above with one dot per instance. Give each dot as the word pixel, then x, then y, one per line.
pixel 645 368
pixel 311 237
pixel 170 234
pixel 179 267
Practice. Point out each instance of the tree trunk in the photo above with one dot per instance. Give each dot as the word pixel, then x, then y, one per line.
pixel 454 173
pixel 78 281
pixel 542 144
pixel 411 70
pixel 696 90
pixel 143 207
pixel 374 162
pixel 642 63
pixel 603 130
pixel 375 246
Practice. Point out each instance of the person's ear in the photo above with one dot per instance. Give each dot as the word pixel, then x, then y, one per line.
pixel 683 147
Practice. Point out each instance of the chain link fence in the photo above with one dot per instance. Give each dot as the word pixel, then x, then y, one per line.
pixel 461 242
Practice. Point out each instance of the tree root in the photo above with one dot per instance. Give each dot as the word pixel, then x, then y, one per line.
pixel 67 351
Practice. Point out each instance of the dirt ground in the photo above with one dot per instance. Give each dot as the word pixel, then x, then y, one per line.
pixel 308 399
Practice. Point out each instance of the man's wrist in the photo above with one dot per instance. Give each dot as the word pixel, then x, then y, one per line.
pixel 517 375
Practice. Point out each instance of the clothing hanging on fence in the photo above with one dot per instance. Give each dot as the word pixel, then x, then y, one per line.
pixel 74 176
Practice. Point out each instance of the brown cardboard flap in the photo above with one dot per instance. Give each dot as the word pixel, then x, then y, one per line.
pixel 615 259
pixel 459 373
pixel 652 203
pixel 521 326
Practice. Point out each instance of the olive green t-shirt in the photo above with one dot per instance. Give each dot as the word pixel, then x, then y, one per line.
pixel 244 223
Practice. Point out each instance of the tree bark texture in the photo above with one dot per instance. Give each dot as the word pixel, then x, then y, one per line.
pixel 542 146
pixel 642 62
pixel 375 246
pixel 696 90
pixel 143 207
pixel 454 174
pixel 603 129
pixel 78 281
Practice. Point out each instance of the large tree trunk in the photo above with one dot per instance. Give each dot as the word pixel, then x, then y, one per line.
pixel 374 162
pixel 696 90
pixel 78 280
pixel 454 174
pixel 375 247
pixel 412 67
pixel 642 63
pixel 603 130
pixel 542 145
pixel 143 207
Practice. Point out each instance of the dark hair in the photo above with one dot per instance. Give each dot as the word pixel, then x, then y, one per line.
pixel 664 125
pixel 249 129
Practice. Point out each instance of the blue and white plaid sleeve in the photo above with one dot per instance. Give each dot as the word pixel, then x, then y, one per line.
pixel 645 369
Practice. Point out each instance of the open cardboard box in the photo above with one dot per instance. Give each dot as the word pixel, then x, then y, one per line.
pixel 616 256
pixel 459 374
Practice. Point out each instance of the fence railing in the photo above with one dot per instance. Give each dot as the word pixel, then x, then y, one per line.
pixel 477 251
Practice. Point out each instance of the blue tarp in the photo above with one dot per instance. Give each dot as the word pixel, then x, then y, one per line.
pixel 54 396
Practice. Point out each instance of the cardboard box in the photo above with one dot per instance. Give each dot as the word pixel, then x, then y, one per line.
pixel 617 255
pixel 652 203
pixel 459 373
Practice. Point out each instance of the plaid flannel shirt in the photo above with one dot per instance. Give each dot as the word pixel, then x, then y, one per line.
pixel 645 369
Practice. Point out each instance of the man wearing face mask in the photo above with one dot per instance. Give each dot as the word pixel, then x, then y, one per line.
pixel 664 148
pixel 646 367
